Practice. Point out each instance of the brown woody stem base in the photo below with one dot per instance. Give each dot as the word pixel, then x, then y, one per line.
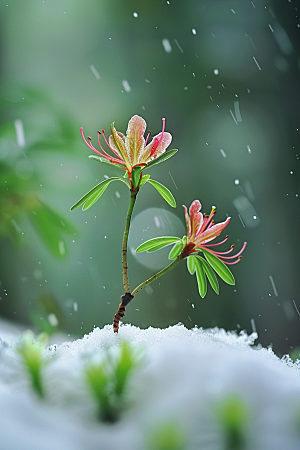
pixel 126 298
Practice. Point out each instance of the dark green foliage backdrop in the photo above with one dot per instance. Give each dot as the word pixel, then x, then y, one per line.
pixel 225 74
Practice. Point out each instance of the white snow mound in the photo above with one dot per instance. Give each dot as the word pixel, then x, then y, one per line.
pixel 184 378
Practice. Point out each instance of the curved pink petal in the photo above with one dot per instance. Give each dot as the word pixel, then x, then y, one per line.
pixel 157 146
pixel 211 233
pixel 188 222
pixel 134 140
pixel 196 218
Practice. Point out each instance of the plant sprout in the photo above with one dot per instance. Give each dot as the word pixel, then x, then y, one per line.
pixel 108 380
pixel 133 154
pixel 31 352
pixel 233 417
pixel 167 436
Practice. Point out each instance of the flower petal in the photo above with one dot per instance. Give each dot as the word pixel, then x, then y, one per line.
pixel 196 218
pixel 135 141
pixel 157 147
pixel 117 139
pixel 112 145
pixel 188 222
pixel 211 233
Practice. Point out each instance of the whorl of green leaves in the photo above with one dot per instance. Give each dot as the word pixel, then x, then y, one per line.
pixel 205 270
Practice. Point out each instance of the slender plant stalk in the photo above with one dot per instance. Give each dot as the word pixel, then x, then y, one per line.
pixel 127 297
pixel 157 275
pixel 125 240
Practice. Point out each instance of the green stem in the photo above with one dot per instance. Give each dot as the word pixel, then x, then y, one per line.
pixel 157 275
pixel 125 240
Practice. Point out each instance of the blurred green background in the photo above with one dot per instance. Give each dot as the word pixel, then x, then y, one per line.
pixel 225 75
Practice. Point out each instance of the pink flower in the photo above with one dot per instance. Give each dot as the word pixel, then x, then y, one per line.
pixel 132 150
pixel 201 229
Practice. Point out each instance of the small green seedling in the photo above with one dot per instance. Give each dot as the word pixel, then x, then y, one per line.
pixel 108 381
pixel 295 354
pixel 31 352
pixel 167 436
pixel 233 416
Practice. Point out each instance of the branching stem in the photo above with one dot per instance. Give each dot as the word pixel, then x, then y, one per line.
pixel 128 296
pixel 157 275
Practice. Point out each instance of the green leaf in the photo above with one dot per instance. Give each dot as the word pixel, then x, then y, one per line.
pixel 210 274
pixel 106 161
pixel 176 250
pixel 201 278
pixel 191 264
pixel 94 194
pixel 156 243
pixel 58 220
pixel 136 175
pixel 143 180
pixel 221 269
pixel 50 226
pixel 164 192
pixel 162 158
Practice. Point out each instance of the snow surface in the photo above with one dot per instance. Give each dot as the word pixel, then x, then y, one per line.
pixel 184 377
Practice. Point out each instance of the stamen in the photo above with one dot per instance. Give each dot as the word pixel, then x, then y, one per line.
pixel 106 156
pixel 115 152
pixel 104 137
pixel 101 145
pixel 89 143
pixel 241 251
pixel 217 243
pixel 163 128
pixel 219 254
pixel 210 225
pixel 231 263
pixel 206 221
pixel 148 135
